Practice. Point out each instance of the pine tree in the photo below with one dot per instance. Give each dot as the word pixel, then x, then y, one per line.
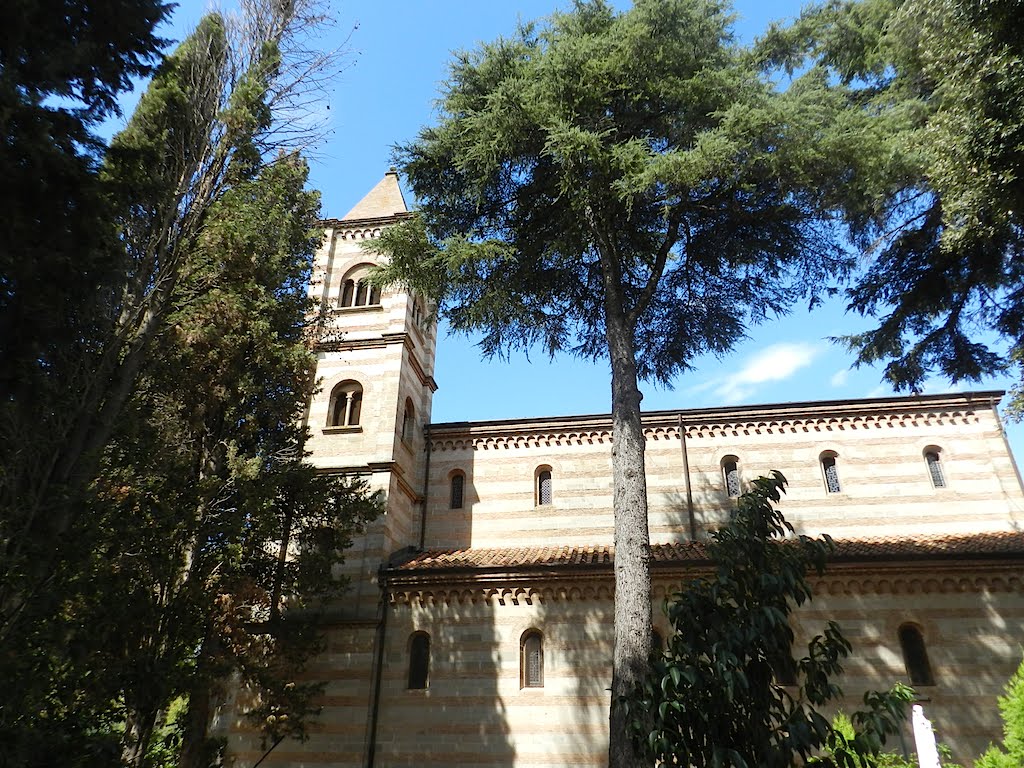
pixel 937 195
pixel 621 186
pixel 167 531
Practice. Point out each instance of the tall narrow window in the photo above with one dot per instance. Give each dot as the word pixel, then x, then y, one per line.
pixel 915 656
pixel 544 491
pixel 348 293
pixel 785 668
pixel 361 289
pixel 731 476
pixel 931 457
pixel 408 420
pixel 830 472
pixel 657 642
pixel 346 405
pixel 457 489
pixel 532 661
pixel 419 660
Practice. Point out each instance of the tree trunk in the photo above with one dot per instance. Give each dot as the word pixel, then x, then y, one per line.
pixel 138 732
pixel 632 539
pixel 195 742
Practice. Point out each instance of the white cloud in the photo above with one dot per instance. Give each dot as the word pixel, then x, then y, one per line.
pixel 839 377
pixel 774 363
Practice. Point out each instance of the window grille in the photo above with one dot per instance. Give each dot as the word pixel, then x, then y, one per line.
pixel 419 660
pixel 935 469
pixel 828 466
pixel 533 660
pixel 731 470
pixel 458 485
pixel 544 487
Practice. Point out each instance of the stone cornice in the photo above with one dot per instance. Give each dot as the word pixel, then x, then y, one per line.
pixel 527 586
pixel 398 475
pixel 362 229
pixel 824 417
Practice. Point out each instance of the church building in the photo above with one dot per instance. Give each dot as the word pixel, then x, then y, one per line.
pixel 478 627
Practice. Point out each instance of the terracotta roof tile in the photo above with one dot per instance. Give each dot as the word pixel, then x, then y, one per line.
pixel 847 550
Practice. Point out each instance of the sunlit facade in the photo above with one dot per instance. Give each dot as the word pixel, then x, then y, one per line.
pixel 478 627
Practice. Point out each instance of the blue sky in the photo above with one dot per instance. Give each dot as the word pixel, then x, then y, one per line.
pixel 397 54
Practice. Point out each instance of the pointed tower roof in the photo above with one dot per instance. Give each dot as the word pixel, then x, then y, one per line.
pixel 381 202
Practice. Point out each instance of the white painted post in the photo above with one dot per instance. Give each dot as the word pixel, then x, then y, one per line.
pixel 924 739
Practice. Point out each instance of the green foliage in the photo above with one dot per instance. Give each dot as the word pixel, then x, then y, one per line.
pixel 717 695
pixel 161 529
pixel 1011 705
pixel 638 150
pixel 939 85
pixel 62 67
pixel 844 727
pixel 621 185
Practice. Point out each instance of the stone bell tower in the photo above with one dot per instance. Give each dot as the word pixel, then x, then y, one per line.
pixel 375 365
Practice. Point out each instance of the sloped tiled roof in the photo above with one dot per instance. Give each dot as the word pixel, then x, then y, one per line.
pixel 867 549
pixel 996 543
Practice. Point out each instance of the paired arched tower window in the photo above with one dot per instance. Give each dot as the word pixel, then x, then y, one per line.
pixel 419 660
pixel 346 404
pixel 531 666
pixel 915 655
pixel 356 290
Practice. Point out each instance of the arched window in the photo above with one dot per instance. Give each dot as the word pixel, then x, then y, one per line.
pixel 348 293
pixel 830 472
pixel 785 669
pixel 544 490
pixel 457 491
pixel 419 660
pixel 915 656
pixel 346 405
pixel 931 458
pixel 532 659
pixel 356 290
pixel 731 475
pixel 408 420
pixel 657 641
